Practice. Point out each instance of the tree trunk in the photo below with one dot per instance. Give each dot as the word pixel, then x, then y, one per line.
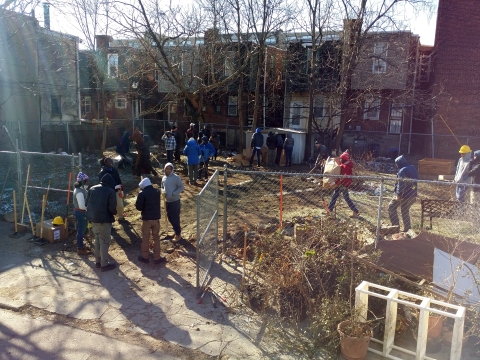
pixel 257 87
pixel 240 113
pixel 104 122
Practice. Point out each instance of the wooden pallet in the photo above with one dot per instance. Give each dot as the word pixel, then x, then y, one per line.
pixel 429 166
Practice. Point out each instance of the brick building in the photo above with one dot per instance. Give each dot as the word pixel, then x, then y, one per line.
pixel 456 77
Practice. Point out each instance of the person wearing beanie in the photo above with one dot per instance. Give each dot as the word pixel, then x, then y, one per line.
pixel 172 186
pixel 272 148
pixel 343 184
pixel 107 168
pixel 148 203
pixel 101 208
pixel 79 201
pixel 288 147
pixel 170 145
pixel 192 151
pixel 256 144
pixel 461 174
pixel 206 150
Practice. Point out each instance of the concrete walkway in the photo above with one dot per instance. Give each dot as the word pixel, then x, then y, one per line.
pixel 134 300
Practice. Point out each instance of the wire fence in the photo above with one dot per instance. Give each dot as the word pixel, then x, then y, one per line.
pixel 207 229
pixel 269 202
pixel 48 174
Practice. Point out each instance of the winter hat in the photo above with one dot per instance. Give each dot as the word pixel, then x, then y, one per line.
pixel 144 183
pixel 317 142
pixel 270 133
pixel 81 176
pixel 258 130
pixel 205 139
pixel 192 124
pixel 167 165
pixel 345 156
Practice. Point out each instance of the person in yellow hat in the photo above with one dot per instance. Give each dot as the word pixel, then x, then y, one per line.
pixel 461 175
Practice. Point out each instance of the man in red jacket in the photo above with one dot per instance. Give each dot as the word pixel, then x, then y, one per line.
pixel 344 184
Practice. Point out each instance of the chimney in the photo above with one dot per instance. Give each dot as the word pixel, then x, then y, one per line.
pixel 46 15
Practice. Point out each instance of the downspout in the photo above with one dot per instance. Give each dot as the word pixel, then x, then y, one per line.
pixel 413 97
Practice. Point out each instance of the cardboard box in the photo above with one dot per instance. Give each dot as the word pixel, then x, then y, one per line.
pixel 50 232
pixel 247 153
pixel 238 157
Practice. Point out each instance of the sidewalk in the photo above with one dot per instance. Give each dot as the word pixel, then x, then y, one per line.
pixel 135 300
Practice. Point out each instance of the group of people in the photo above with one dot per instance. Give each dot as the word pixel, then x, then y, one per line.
pixel 275 146
pixel 100 204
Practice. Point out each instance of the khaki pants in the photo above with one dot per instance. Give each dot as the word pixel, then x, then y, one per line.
pixel 101 232
pixel 153 227
pixel 119 206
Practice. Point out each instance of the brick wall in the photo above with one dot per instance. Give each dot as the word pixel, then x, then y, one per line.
pixel 457 69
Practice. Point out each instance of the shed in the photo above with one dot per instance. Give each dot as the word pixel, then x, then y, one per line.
pixel 299 138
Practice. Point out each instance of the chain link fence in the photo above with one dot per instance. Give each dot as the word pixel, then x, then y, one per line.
pixel 48 174
pixel 207 228
pixel 263 201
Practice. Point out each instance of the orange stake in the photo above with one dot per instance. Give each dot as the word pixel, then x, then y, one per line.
pixel 281 201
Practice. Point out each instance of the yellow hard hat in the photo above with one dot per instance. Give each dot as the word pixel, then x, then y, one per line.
pixel 465 149
pixel 58 220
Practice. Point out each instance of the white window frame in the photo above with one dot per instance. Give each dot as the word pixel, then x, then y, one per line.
pixel 232 109
pixel 112 65
pixel 87 105
pixel 319 103
pixel 395 120
pixel 380 52
pixel 296 113
pixel 229 63
pixel 120 103
pixel 371 110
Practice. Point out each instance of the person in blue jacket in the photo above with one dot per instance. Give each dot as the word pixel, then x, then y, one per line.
pixel 192 151
pixel 207 150
pixel 405 193
pixel 256 144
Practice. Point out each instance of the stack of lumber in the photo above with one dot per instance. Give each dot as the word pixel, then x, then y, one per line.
pixel 429 167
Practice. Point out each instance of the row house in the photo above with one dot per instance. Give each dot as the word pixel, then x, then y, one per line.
pixel 39 82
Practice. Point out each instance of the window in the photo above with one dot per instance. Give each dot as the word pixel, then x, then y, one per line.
pixel 425 63
pixel 232 106
pixel 319 107
pixel 270 41
pixel 379 56
pixel 120 103
pixel 113 65
pixel 296 111
pixel 156 73
pixel 56 104
pixel 218 109
pixel 86 105
pixel 229 64
pixel 372 109
pixel 396 117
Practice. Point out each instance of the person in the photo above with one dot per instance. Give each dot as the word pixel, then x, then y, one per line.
pixel 172 186
pixel 206 150
pixel 170 145
pixel 474 173
pixel 215 141
pixel 344 183
pixel 322 155
pixel 123 147
pixel 405 193
pixel 79 209
pixel 207 131
pixel 279 148
pixel 148 203
pixel 101 208
pixel 461 176
pixel 192 151
pixel 107 168
pixel 191 132
pixel 256 144
pixel 271 148
pixel 200 136
pixel 142 163
pixel 176 135
pixel 288 147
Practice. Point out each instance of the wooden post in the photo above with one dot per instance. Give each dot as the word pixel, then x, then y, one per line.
pixel 25 193
pixel 44 200
pixel 422 329
pixel 390 322
pixel 15 211
pixel 281 201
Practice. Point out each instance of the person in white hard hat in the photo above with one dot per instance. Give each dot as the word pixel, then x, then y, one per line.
pixel 461 175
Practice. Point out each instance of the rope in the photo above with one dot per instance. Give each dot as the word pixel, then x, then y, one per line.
pixel 448 127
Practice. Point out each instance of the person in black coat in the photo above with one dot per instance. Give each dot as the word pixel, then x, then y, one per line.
pixel 256 144
pixel 101 207
pixel 148 202
pixel 107 168
pixel 176 135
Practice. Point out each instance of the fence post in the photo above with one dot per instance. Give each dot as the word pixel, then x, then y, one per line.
pixel 224 207
pixel 379 220
pixel 281 200
pixel 79 161
pixel 19 170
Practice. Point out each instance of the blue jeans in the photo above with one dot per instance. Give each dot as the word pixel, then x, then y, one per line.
pixel 170 156
pixel 346 196
pixel 81 227
pixel 288 156
pixel 461 192
pixel 255 150
pixel 173 215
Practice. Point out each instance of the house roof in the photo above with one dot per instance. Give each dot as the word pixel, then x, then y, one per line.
pixel 415 257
